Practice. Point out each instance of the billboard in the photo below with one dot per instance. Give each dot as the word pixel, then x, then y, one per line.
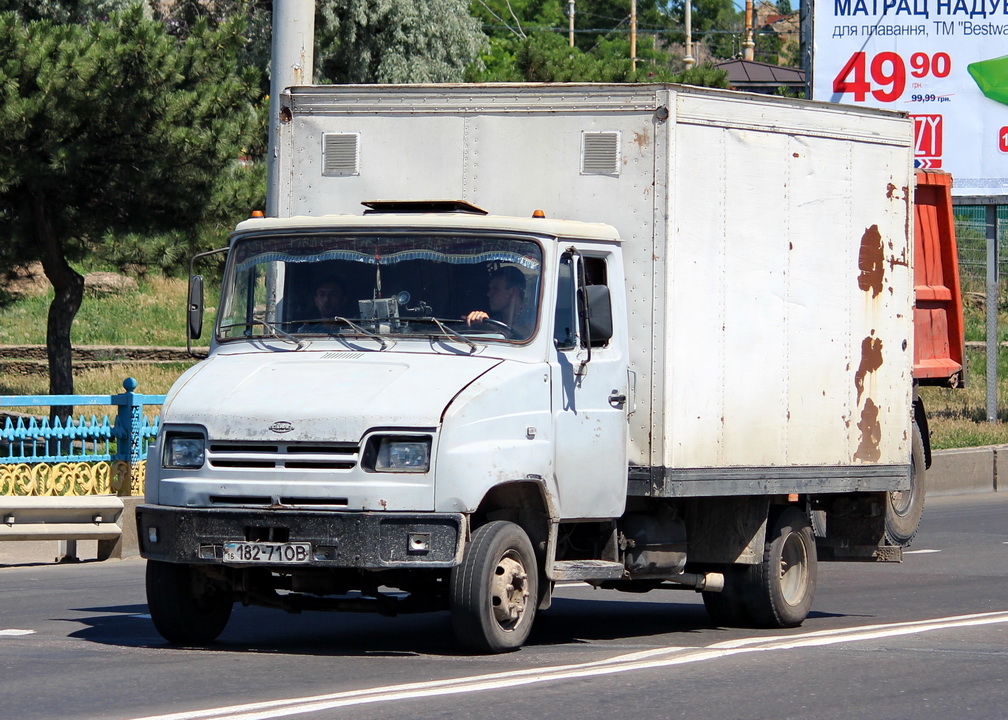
pixel 944 62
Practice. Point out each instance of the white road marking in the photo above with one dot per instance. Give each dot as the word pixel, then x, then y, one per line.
pixel 920 552
pixel 644 660
pixel 13 632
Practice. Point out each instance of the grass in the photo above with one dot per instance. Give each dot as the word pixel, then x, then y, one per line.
pixel 958 417
pixel 152 379
pixel 154 315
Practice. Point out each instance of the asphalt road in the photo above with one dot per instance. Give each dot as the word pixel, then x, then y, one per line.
pixel 925 639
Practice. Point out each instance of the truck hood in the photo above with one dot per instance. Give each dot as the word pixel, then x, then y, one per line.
pixel 318 396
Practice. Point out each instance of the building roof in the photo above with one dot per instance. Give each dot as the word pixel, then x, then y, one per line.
pixel 761 77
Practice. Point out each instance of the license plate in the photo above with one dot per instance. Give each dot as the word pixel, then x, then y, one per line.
pixel 267 553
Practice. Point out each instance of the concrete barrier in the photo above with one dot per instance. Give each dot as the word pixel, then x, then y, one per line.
pixel 87 517
pixel 968 470
pixel 109 519
pixel 126 545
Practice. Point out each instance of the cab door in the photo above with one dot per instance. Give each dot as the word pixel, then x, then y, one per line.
pixel 588 367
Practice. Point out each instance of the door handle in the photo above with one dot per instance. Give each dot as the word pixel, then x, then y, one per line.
pixel 617 398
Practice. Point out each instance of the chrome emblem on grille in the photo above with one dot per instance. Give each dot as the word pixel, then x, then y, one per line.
pixel 281 426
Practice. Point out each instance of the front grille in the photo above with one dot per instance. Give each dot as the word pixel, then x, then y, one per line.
pixel 295 456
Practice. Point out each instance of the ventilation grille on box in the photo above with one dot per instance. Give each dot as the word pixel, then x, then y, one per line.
pixel 340 153
pixel 600 153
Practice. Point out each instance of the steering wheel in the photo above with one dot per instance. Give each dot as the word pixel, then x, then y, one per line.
pixel 509 332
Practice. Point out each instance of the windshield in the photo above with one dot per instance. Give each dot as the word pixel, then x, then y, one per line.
pixel 418 283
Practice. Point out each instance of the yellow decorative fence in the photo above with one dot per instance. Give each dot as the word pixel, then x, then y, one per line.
pixel 80 478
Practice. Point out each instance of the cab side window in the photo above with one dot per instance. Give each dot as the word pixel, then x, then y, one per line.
pixel 583 307
pixel 599 305
pixel 565 320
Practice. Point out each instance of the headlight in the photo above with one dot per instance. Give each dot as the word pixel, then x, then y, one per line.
pixel 184 451
pixel 398 454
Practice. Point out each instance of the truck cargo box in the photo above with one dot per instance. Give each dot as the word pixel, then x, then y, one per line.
pixel 767 243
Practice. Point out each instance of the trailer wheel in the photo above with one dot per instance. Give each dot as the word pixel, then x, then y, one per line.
pixel 185 608
pixel 779 590
pixel 727 608
pixel 494 591
pixel 905 508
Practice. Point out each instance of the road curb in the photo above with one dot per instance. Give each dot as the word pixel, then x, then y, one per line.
pixel 968 470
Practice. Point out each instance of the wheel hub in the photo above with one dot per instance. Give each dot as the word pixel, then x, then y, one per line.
pixel 793 569
pixel 509 591
pixel 901 501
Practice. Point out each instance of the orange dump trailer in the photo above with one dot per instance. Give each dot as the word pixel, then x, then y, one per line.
pixel 938 319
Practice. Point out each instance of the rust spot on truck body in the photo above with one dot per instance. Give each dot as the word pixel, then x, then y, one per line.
pixel 871 433
pixel 871 261
pixel 871 360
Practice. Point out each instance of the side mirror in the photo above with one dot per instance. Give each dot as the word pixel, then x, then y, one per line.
pixel 600 323
pixel 195 307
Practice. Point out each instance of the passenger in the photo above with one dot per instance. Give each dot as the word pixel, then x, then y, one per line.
pixel 506 303
pixel 329 297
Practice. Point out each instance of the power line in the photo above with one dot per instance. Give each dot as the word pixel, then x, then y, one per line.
pixel 563 30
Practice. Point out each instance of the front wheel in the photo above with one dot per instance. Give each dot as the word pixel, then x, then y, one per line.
pixel 780 589
pixel 494 591
pixel 185 606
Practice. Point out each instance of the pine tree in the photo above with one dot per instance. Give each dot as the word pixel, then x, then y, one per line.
pixel 111 127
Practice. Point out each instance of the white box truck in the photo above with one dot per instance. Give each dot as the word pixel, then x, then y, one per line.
pixel 504 336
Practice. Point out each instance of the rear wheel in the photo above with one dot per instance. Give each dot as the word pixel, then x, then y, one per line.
pixel 185 606
pixel 905 508
pixel 779 590
pixel 494 591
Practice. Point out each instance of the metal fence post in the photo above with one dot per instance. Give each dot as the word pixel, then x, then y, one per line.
pixel 993 342
pixel 129 424
pixel 972 211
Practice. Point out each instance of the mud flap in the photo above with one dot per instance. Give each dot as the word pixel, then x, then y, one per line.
pixel 855 531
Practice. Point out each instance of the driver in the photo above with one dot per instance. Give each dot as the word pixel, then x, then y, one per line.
pixel 328 299
pixel 506 302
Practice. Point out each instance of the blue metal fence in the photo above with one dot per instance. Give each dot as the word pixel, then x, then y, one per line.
pixel 40 441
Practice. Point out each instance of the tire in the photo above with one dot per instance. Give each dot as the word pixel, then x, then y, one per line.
pixel 727 608
pixel 779 590
pixel 904 509
pixel 494 591
pixel 184 610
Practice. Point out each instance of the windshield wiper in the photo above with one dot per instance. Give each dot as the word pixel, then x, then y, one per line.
pixel 357 328
pixel 451 333
pixel 275 331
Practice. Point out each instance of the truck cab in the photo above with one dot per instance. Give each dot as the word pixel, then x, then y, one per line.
pixel 381 385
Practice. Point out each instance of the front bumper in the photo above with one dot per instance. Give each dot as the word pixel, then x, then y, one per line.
pixel 362 540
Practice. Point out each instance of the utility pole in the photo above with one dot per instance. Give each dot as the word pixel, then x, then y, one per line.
pixel 748 45
pixel 633 34
pixel 688 58
pixel 292 64
pixel 570 17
